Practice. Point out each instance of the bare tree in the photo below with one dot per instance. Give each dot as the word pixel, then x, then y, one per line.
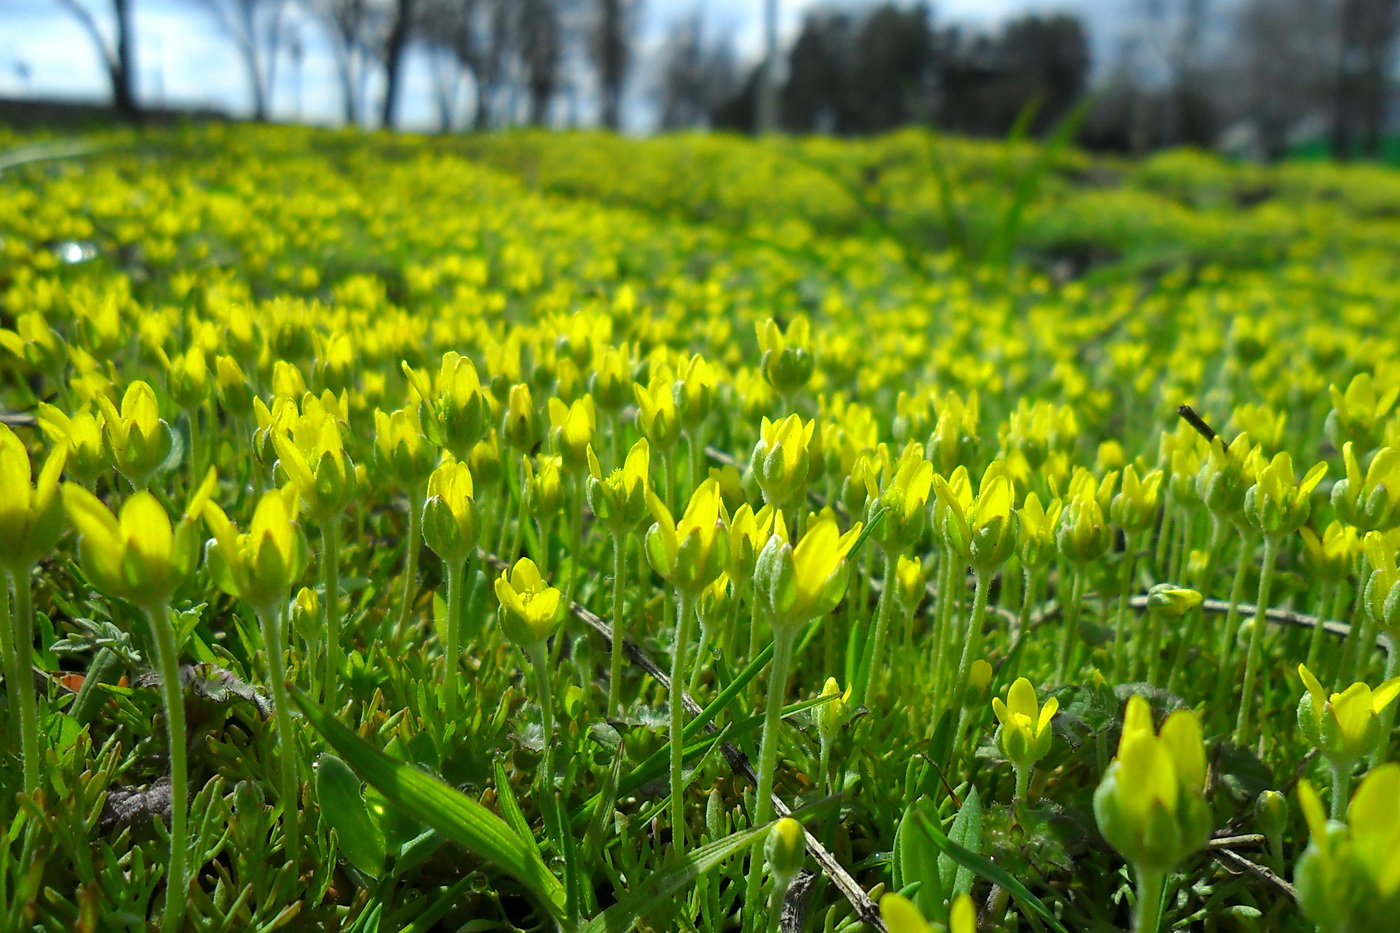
pixel 255 27
pixel 118 56
pixel 1367 35
pixel 697 74
pixel 395 45
pixel 354 30
pixel 540 35
pixel 611 49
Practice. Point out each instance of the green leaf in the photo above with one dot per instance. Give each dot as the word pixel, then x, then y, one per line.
pixel 343 805
pixel 915 862
pixel 987 869
pixel 966 831
pixel 445 809
pixel 659 890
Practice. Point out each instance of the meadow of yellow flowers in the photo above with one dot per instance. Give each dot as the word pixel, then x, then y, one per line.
pixel 560 531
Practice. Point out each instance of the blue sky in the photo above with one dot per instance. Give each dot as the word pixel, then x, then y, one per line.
pixel 183 59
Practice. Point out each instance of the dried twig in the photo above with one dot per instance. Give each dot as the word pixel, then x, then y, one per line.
pixel 1232 859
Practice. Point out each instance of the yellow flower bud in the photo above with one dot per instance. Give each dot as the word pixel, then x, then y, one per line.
pixel 657 418
pixel 31 513
pixel 520 428
pixel 232 387
pixel 611 381
pixel 1151 805
pixel 402 450
pixel 782 460
pixel 692 552
pixel 1369 502
pixel 694 391
pixel 450 520
pixel 136 438
pixel 543 486
pixel 262 565
pixel 82 435
pixel 783 850
pixel 138 555
pixel 787 362
pixel 796 585
pixel 1344 726
pixel 1277 504
pixel 904 502
pixel 1348 879
pixel 1358 414
pixel 832 714
pixel 1135 507
pixel 572 429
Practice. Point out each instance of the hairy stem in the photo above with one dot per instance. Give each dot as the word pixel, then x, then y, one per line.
pixel 685 625
pixel 173 694
pixel 330 580
pixel 619 622
pixel 768 752
pixel 274 640
pixel 1243 731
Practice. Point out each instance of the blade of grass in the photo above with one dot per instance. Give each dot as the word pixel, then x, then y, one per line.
pixel 442 807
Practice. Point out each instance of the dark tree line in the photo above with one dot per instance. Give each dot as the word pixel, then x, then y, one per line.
pixel 515 57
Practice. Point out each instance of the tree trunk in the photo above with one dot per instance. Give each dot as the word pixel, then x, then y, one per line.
pixel 394 61
pixel 124 67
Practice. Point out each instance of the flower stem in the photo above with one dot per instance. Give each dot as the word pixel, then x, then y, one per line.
pixel 18 664
pixel 1243 734
pixel 330 579
pixel 1341 789
pixel 1148 915
pixel 451 641
pixel 274 640
pixel 685 624
pixel 1191 631
pixel 1228 631
pixel 549 801
pixel 1071 631
pixel 619 627
pixel 172 692
pixel 415 541
pixel 870 674
pixel 768 751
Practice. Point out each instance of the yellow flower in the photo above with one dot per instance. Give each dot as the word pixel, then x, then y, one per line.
pixel 31 513
pixel 136 438
pixel 458 412
pixel 1348 879
pixel 521 425
pixel 901 916
pixel 531 609
pixel 782 459
pixel 1331 556
pixel 657 418
pixel 543 486
pixel 904 501
pixel 1151 805
pixel 1037 538
pixel 619 500
pixel 450 519
pixel 1344 726
pixel 690 552
pixel 796 585
pixel 831 715
pixel 611 381
pixel 1277 504
pixel 749 531
pixel 787 360
pixel 694 390
pixel 572 429
pixel 1024 735
pixel 138 555
pixel 1135 507
pixel 312 454
pixel 1369 502
pixel 404 452
pixel 982 530
pixel 262 565
pixel 1358 413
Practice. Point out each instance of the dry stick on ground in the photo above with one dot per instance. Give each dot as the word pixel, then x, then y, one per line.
pixel 1233 860
pixel 1278 617
pixel 739 763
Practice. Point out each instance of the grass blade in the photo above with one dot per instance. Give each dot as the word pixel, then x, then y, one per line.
pixel 442 807
pixel 987 869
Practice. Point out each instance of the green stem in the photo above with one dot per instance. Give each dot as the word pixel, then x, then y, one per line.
pixel 1191 631
pixel 943 617
pixel 18 664
pixel 1365 646
pixel 768 751
pixel 274 640
pixel 972 638
pixel 576 542
pixel 172 692
pixel 414 542
pixel 698 667
pixel 696 449
pixel 451 642
pixel 685 624
pixel 1341 790
pixel 619 627
pixel 1229 631
pixel 1243 735
pixel 549 801
pixel 330 580
pixel 1325 612
pixel 1071 631
pixel 1120 621
pixel 870 672
pixel 1147 918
